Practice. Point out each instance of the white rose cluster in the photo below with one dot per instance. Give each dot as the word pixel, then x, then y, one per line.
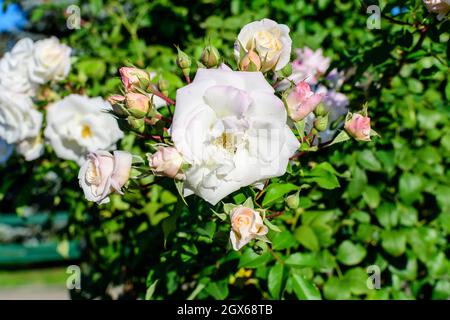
pixel 22 70
pixel 76 125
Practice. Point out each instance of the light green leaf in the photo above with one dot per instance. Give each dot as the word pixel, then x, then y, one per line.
pixel 276 191
pixel 350 254
pixel 305 289
pixel 275 280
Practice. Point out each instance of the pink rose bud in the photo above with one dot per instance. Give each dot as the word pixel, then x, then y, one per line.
pixel 358 127
pixel 133 77
pixel 104 173
pixel 301 101
pixel 167 161
pixel 246 224
pixel 116 98
pixel 137 104
pixel 250 62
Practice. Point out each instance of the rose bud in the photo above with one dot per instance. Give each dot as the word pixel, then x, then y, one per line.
pixel 246 224
pixel 137 104
pixel 184 62
pixel 104 173
pixel 301 101
pixel 167 161
pixel 321 123
pixel 358 127
pixel 210 57
pixel 118 105
pixel 250 62
pixel 134 77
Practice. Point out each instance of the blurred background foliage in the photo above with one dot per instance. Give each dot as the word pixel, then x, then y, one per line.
pixel 384 203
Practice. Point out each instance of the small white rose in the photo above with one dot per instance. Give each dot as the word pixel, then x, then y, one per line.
pixel 269 39
pixel 231 129
pixel 50 61
pixel 18 119
pixel 103 173
pixel 6 151
pixel 77 125
pixel 167 161
pixel 246 225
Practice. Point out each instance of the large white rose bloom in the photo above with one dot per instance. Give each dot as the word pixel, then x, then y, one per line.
pixel 231 128
pixel 18 119
pixel 50 61
pixel 77 125
pixel 269 39
pixel 14 68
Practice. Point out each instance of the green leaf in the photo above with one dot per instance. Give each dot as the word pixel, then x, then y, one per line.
pixel 151 290
pixel 283 240
pixel 371 196
pixel 276 191
pixel 394 242
pixel 169 225
pixel 350 254
pixel 341 137
pixel 368 160
pixel 306 236
pixel 271 226
pixel 302 260
pixel 180 188
pixel 250 259
pixel 334 289
pixel 218 289
pixel 275 280
pixel 304 289
pixel 410 187
pixel 323 177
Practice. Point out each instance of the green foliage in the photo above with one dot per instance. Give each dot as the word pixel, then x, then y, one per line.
pixel 383 203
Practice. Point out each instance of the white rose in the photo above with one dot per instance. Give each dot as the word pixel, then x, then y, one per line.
pixel 104 173
pixel 18 119
pixel 50 61
pixel 14 68
pixel 441 7
pixel 31 148
pixel 246 225
pixel 269 39
pixel 231 128
pixel 5 151
pixel 77 125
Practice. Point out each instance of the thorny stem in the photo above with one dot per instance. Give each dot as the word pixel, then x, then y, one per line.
pixel 162 96
pixel 274 215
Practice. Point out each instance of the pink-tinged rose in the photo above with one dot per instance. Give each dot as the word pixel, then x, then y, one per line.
pixel 358 127
pixel 301 101
pixel 167 161
pixel 138 102
pixel 104 173
pixel 246 224
pixel 441 7
pixel 133 77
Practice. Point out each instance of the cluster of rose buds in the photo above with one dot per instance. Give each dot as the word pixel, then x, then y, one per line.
pixel 136 105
